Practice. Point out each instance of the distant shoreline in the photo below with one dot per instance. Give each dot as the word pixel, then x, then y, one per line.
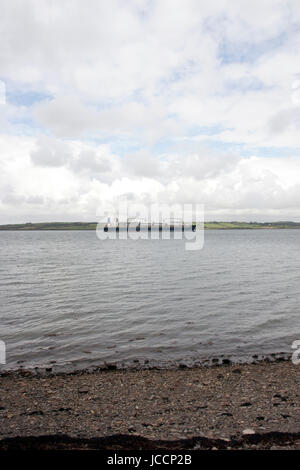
pixel 207 226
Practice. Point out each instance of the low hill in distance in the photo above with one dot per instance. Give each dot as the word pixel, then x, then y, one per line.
pixel 207 226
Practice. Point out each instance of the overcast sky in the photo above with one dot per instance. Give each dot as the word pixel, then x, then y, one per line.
pixel 159 100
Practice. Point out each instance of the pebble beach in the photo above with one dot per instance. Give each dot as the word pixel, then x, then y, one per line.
pixel 220 407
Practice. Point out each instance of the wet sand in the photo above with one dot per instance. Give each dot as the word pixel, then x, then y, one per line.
pixel 229 406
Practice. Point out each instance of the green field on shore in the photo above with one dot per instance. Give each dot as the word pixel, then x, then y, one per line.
pixel 207 225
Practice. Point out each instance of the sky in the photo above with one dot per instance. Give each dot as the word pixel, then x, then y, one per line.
pixel 173 101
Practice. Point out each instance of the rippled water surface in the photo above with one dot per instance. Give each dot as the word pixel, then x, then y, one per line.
pixel 68 299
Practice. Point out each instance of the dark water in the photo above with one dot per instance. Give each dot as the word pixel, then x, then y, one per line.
pixel 70 298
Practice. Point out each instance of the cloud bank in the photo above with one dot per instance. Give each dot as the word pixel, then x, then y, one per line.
pixel 179 101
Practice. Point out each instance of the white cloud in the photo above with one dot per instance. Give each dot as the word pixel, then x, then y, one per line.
pixel 50 153
pixel 185 82
pixel 90 176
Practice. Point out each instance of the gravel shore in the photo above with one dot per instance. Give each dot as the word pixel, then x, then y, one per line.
pixel 229 406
